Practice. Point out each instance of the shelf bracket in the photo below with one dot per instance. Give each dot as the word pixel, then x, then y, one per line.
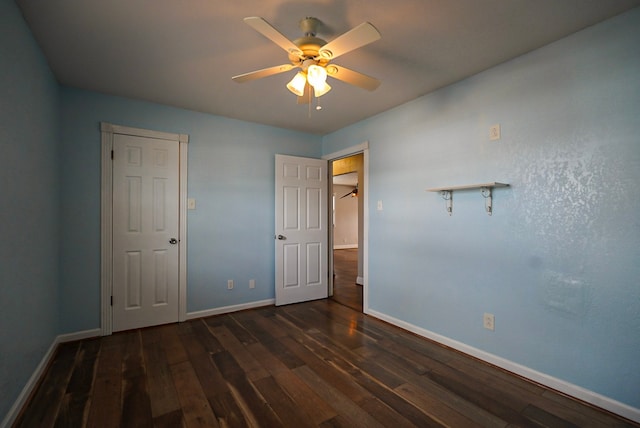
pixel 447 195
pixel 486 193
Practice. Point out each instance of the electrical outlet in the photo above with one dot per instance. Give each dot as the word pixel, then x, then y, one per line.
pixel 489 321
pixel 252 283
pixel 230 284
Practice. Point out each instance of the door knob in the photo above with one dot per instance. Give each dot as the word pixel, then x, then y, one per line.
pixel 281 237
pixel 173 241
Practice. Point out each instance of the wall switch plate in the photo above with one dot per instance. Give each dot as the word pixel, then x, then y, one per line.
pixel 494 132
pixel 252 283
pixel 191 204
pixel 379 205
pixel 489 321
pixel 230 284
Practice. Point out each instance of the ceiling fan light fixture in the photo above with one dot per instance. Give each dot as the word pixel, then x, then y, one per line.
pixel 316 75
pixel 296 85
pixel 320 90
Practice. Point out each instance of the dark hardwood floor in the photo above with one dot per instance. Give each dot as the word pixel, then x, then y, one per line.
pixel 307 365
pixel 345 269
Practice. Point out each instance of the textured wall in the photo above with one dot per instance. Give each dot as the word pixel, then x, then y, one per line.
pixel 558 262
pixel 29 201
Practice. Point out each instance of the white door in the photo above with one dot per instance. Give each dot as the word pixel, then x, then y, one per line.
pixel 301 229
pixel 145 231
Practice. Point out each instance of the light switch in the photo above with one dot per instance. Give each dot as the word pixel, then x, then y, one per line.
pixel 380 205
pixel 494 132
pixel 191 204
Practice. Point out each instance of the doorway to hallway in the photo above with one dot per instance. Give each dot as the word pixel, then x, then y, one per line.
pixel 347 230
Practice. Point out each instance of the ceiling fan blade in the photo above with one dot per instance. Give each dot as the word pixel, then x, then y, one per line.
pixel 306 96
pixel 267 30
pixel 352 193
pixel 359 36
pixel 352 77
pixel 258 74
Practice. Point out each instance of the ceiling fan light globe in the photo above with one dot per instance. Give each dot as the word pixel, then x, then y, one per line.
pixel 296 85
pixel 316 75
pixel 320 90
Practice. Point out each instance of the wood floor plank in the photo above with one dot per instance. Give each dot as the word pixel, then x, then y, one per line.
pixel 469 409
pixel 317 363
pixel 174 350
pixel 546 419
pixel 243 355
pixel 229 321
pixel 173 419
pixel 475 393
pixel 349 362
pixel 221 399
pixel 340 334
pixel 388 417
pixel 252 403
pixel 195 406
pixel 345 273
pixel 203 335
pixel 326 370
pixel 575 407
pixel 352 319
pixel 343 403
pixel 162 392
pixel 49 394
pixel 106 400
pixel 289 413
pixel 75 405
pixel 484 397
pixel 393 401
pixel 260 328
pixel 306 398
pixel 136 405
pixel 436 409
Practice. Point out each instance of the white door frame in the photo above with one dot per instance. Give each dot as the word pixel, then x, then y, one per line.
pixel 350 151
pixel 106 219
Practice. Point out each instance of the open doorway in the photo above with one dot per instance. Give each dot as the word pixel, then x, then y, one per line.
pixel 347 230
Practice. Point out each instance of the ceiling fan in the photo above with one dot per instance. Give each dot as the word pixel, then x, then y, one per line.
pixel 352 193
pixel 313 55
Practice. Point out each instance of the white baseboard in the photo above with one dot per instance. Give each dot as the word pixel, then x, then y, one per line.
pixel 32 383
pixel 228 309
pixel 79 335
pixel 576 391
pixel 345 246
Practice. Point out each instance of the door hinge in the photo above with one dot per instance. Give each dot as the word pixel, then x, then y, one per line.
pixel 112 154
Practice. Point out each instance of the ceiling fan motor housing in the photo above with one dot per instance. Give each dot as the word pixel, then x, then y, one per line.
pixel 310 46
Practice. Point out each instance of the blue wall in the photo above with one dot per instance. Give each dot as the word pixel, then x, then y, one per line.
pixel 558 263
pixel 231 173
pixel 29 205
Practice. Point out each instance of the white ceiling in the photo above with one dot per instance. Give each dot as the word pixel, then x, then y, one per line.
pixel 183 53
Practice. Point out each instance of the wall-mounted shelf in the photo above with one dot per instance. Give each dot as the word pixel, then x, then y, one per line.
pixel 485 189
